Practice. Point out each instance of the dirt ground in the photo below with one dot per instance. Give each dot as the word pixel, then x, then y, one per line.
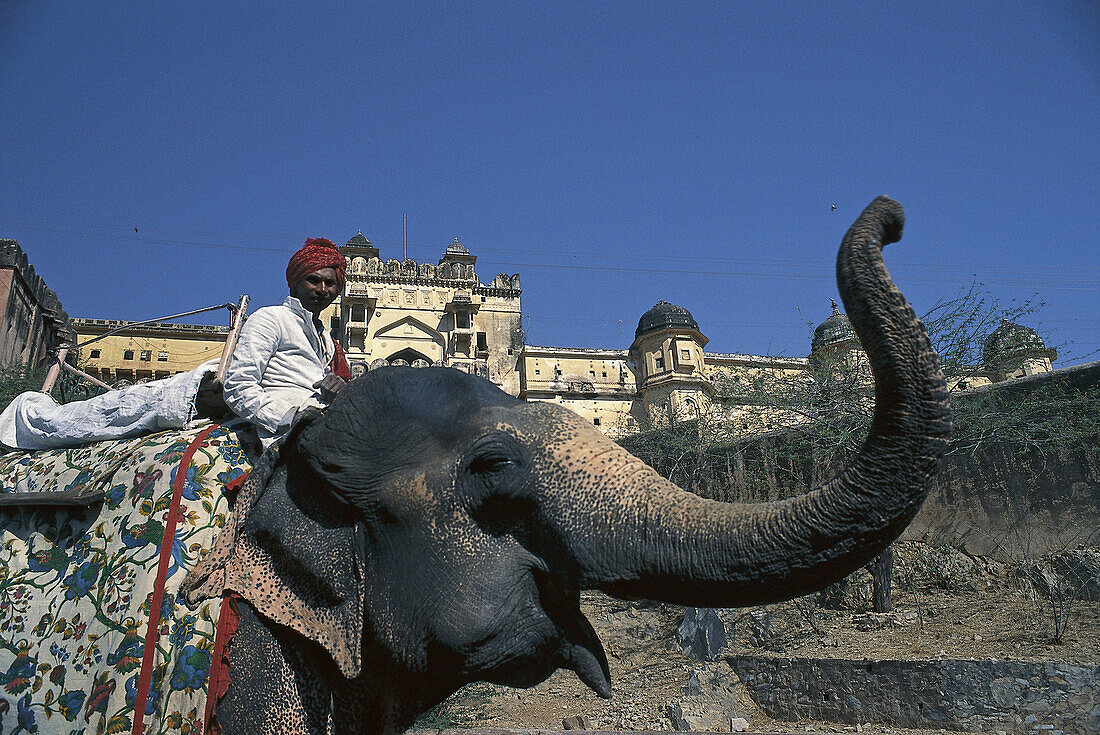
pixel 946 606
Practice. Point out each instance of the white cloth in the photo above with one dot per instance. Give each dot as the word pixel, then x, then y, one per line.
pixel 280 355
pixel 34 421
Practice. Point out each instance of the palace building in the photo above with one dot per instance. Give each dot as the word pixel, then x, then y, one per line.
pixel 140 352
pixel 408 313
pixel 402 312
pixel 664 376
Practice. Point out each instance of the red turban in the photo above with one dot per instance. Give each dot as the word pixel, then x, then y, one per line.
pixel 316 254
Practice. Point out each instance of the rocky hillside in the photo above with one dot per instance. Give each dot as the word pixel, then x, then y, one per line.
pixel 946 606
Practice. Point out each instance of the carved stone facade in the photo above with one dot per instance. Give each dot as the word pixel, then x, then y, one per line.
pixel 32 321
pixel 405 312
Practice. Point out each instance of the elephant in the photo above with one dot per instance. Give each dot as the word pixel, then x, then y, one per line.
pixel 428 530
pixel 425 531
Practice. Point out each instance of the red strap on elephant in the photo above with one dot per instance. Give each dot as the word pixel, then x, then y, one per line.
pixel 228 621
pixel 152 632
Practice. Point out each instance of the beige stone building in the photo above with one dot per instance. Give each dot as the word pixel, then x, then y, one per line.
pixel 664 376
pixel 402 312
pixel 145 351
pixel 1011 351
pixel 409 313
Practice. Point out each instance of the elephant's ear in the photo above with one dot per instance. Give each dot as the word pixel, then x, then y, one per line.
pixel 289 548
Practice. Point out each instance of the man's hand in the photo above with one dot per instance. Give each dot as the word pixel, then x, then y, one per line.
pixel 209 402
pixel 329 386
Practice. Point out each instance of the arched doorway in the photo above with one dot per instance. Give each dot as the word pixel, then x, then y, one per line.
pixel 409 356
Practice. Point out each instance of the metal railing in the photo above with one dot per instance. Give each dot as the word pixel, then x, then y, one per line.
pixel 238 311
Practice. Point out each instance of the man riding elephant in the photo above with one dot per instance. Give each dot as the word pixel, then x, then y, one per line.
pixel 425 531
pixel 285 360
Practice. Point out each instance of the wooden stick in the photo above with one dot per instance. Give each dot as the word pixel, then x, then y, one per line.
pixel 77 371
pixel 231 340
pixel 55 369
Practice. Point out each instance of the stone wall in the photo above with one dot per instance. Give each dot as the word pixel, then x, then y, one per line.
pixel 1010 498
pixel 32 321
pixel 1013 502
pixel 981 696
pixel 1017 499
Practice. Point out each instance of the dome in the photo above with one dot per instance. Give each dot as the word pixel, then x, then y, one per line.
pixel 358 241
pixel 833 331
pixel 664 315
pixel 457 253
pixel 457 248
pixel 1009 340
pixel 359 245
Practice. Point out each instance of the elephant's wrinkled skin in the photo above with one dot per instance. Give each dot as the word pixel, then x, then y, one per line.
pixel 441 530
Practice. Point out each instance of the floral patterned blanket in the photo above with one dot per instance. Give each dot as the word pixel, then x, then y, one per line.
pixel 77 584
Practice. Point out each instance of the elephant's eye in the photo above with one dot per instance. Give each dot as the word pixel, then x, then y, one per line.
pixel 488 464
pixel 496 477
pixel 495 465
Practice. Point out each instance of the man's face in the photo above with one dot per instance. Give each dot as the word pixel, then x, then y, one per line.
pixel 317 290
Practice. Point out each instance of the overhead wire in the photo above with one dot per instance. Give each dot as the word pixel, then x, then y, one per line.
pixel 1056 278
pixel 1038 278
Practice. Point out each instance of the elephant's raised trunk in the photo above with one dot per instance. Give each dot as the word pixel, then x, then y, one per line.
pixel 639 535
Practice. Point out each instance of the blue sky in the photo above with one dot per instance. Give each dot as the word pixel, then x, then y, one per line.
pixel 613 154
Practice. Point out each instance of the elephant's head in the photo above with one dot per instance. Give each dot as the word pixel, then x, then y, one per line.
pixel 454 525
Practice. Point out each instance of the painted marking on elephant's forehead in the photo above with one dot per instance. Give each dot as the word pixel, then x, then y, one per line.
pixel 413 497
pixel 515 432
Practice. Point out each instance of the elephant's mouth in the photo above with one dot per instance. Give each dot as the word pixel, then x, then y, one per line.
pixel 581 649
pixel 543 633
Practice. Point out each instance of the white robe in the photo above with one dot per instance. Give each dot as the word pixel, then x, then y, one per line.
pixel 34 420
pixel 279 356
